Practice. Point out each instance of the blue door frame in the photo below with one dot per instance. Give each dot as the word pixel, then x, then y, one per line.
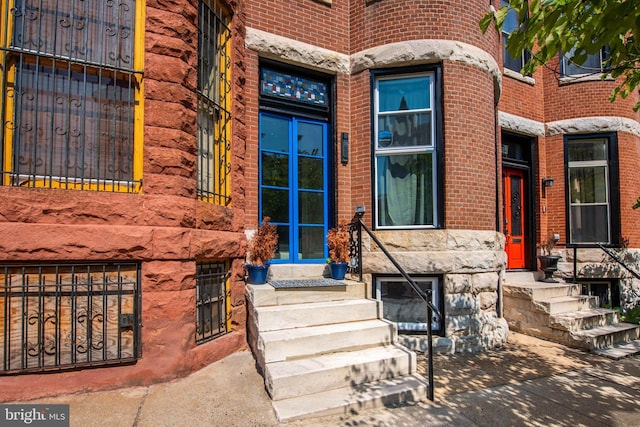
pixel 294 185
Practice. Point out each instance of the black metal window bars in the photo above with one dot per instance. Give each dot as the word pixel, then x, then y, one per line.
pixel 211 300
pixel 57 317
pixel 69 95
pixel 214 104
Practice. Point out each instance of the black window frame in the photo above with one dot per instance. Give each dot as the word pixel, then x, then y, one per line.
pixel 613 177
pixel 604 56
pixel 524 57
pixel 438 150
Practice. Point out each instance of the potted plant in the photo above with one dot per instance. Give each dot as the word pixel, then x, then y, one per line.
pixel 549 262
pixel 262 248
pixel 338 242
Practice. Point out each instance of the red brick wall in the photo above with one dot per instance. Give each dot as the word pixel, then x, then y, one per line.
pixel 469 148
pixel 307 21
pixel 583 99
pixel 387 21
pixel 523 99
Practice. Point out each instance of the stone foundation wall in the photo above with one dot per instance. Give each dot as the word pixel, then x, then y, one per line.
pixel 596 264
pixel 471 264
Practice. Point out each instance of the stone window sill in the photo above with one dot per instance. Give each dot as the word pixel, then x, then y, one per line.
pixel 515 75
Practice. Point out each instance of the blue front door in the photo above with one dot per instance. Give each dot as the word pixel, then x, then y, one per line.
pixel 293 185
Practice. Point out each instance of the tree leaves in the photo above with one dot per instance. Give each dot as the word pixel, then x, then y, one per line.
pixel 583 28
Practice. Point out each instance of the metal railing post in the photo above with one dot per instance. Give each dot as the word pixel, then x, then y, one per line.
pixel 430 348
pixel 426 296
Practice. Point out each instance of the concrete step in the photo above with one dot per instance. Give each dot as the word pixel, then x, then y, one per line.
pixel 279 317
pixel 311 375
pixel 566 304
pixel 583 319
pixel 619 351
pixel 288 344
pixel 609 335
pixel 515 277
pixel 540 290
pixel 266 295
pixel 411 388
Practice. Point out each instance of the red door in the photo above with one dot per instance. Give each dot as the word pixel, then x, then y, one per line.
pixel 513 187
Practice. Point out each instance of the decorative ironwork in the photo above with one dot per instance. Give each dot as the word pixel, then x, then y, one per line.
pixel 214 104
pixel 66 316
pixel 211 301
pixel 69 94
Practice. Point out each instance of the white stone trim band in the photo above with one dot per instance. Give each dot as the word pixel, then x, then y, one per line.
pixel 520 124
pixel 394 54
pixel 568 127
pixel 593 125
pixel 289 50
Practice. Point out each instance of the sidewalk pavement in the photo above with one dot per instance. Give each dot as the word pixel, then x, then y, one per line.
pixel 231 393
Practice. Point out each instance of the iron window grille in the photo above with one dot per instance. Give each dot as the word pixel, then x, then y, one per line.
pixel 70 80
pixel 57 317
pixel 211 301
pixel 214 102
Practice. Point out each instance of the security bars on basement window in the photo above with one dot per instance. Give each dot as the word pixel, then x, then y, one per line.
pixel 57 317
pixel 211 301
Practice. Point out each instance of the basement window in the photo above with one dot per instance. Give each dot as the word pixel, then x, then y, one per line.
pixel 66 316
pixel 400 303
pixel 211 301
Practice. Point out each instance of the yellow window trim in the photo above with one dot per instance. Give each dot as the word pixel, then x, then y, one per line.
pixel 8 70
pixel 222 130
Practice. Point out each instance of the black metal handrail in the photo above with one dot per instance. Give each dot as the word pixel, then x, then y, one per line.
pixel 619 261
pixel 432 311
pixel 611 255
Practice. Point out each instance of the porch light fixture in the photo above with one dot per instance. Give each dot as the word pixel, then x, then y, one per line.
pixel 546 183
pixel 344 148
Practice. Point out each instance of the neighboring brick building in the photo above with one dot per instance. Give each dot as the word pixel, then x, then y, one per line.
pixel 197 118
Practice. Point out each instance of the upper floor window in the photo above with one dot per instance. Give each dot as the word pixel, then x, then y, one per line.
pixel 591 177
pixel 511 24
pixel 70 79
pixel 214 103
pixel 405 150
pixel 594 64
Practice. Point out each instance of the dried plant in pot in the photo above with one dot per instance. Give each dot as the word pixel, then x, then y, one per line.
pixel 549 262
pixel 262 248
pixel 338 243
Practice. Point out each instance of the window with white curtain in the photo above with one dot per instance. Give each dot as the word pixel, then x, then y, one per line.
pixel 589 193
pixel 405 160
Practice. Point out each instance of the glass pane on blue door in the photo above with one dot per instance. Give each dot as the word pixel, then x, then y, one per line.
pixel 311 243
pixel 275 204
pixel 311 207
pixel 311 173
pixel 311 139
pixel 274 134
pixel 275 170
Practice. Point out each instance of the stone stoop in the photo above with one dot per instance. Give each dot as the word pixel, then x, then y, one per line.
pixel 557 312
pixel 327 350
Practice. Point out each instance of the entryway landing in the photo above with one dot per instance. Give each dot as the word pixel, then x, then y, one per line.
pixel 560 313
